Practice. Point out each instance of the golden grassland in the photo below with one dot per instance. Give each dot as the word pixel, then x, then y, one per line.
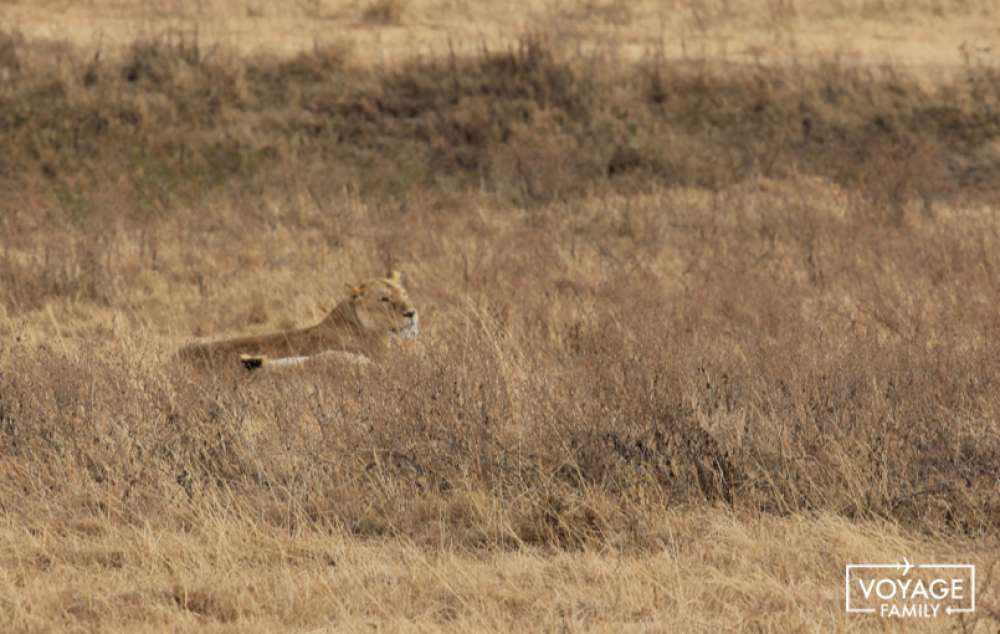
pixel 922 35
pixel 701 322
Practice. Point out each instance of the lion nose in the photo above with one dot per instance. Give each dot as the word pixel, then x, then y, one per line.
pixel 409 313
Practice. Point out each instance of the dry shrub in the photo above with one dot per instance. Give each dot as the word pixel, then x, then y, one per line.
pixel 608 361
pixel 383 12
pixel 179 123
pixel 10 58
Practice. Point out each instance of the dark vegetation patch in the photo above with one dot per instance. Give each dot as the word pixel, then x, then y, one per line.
pixel 172 122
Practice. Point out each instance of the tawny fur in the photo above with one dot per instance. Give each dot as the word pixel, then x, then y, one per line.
pixel 361 325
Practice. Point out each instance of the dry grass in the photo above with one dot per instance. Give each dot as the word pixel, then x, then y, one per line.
pixel 695 336
pixel 714 573
pixel 922 35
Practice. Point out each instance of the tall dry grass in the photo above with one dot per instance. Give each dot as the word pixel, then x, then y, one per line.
pixel 665 305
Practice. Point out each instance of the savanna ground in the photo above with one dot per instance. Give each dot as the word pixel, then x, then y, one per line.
pixel 709 301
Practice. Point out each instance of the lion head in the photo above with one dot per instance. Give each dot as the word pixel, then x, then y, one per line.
pixel 383 305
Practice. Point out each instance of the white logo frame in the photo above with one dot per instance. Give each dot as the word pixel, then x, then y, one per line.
pixel 905 566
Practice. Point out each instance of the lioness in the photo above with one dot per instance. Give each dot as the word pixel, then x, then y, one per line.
pixel 357 329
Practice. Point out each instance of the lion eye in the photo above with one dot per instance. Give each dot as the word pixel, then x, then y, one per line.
pixel 385 299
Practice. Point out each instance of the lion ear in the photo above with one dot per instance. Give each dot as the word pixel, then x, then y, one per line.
pixel 355 291
pixel 396 276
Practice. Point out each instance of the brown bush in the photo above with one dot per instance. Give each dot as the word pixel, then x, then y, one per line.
pixel 177 123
